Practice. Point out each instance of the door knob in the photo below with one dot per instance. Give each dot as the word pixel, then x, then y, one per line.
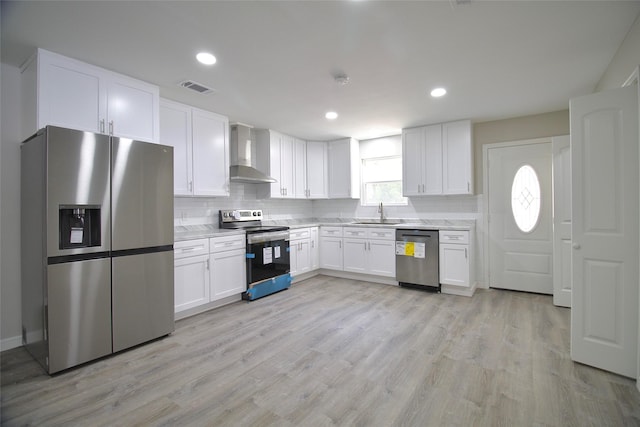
pixel 576 246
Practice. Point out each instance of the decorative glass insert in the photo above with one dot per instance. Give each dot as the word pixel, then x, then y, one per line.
pixel 525 198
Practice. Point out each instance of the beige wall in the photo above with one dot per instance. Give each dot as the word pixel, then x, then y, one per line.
pixel 624 62
pixel 528 127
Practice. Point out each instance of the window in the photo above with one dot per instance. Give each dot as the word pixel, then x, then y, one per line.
pixel 382 181
pixel 525 198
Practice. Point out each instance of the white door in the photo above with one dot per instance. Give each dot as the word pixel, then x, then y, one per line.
pixel 561 221
pixel 604 163
pixel 520 227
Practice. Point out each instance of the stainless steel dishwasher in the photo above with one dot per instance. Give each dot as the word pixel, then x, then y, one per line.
pixel 417 264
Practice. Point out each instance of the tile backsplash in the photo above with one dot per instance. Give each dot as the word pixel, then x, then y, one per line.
pixel 204 210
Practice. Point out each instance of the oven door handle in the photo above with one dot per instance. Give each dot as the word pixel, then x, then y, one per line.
pixel 269 236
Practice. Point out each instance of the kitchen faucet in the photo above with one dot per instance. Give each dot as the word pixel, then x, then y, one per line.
pixel 381 210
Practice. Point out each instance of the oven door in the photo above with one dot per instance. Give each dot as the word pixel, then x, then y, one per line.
pixel 267 256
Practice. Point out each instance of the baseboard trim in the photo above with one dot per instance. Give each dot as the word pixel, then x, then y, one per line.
pixel 358 276
pixel 11 342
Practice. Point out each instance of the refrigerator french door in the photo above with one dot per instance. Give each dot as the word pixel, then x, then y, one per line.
pixel 97 242
pixel 141 241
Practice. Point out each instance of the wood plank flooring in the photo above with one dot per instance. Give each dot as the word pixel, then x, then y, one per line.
pixel 337 352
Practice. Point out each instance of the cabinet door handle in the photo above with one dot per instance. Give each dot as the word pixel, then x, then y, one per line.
pixel 111 127
pixel 102 126
pixel 340 244
pixel 190 186
pixel 207 264
pixel 465 253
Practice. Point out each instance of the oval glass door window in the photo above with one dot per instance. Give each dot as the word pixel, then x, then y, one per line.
pixel 525 198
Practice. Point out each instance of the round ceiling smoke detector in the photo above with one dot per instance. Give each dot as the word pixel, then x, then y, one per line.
pixel 341 79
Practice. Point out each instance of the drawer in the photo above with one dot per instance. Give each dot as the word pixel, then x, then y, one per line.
pixel 189 248
pixel 382 233
pixel 227 243
pixel 299 233
pixel 457 236
pixel 331 231
pixel 355 232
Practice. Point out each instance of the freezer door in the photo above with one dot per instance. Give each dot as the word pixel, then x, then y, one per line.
pixel 142 194
pixel 77 175
pixel 142 298
pixel 78 312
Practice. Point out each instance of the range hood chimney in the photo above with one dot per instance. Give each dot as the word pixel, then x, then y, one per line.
pixel 241 169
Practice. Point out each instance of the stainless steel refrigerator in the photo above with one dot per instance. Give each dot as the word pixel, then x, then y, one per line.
pixel 97 245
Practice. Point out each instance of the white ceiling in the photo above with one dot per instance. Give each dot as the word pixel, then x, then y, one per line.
pixel 276 58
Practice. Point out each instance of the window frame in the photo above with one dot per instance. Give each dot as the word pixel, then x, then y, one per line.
pixel 363 183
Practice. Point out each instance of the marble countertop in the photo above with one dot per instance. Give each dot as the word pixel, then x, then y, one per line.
pixel 203 231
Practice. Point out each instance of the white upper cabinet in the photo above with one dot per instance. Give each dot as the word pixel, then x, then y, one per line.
pixel 297 165
pixel 201 149
pixel 269 148
pixel 175 127
pixel 457 158
pixel 64 92
pixel 317 170
pixel 344 169
pixel 437 159
pixel 300 169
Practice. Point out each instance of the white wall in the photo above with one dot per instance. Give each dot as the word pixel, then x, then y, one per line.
pixel 626 59
pixel 10 317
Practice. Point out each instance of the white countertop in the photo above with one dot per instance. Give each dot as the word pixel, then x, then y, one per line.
pixel 203 231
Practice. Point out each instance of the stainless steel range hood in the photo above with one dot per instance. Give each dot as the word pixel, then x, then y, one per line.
pixel 241 169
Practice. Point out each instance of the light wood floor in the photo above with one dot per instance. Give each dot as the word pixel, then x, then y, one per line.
pixel 338 352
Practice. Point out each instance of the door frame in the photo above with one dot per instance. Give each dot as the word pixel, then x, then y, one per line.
pixel 485 192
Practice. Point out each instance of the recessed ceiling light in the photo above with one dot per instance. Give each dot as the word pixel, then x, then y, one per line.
pixel 438 92
pixel 206 58
pixel 331 115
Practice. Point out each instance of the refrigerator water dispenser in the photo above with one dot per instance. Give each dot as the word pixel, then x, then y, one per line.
pixel 79 226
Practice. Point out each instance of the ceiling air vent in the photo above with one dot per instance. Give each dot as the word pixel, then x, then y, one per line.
pixel 200 88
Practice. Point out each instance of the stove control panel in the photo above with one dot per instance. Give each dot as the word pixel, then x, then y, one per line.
pixel 237 215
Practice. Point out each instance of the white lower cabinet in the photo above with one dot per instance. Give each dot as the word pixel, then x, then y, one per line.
pixel 456 264
pixel 191 274
pixel 207 270
pixel 331 248
pixel 370 251
pixel 314 250
pixel 300 251
pixel 228 266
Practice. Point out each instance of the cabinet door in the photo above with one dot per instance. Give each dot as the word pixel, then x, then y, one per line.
pixel 355 255
pixel 454 265
pixel 432 160
pixel 314 251
pixel 331 253
pixel 339 170
pixel 457 158
pixel 317 170
pixel 412 162
pixel 210 154
pixel 228 273
pixel 69 94
pixel 300 169
pixel 132 108
pixel 175 130
pixel 287 166
pixel 275 164
pixel 191 282
pixel 382 257
pixel 300 256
